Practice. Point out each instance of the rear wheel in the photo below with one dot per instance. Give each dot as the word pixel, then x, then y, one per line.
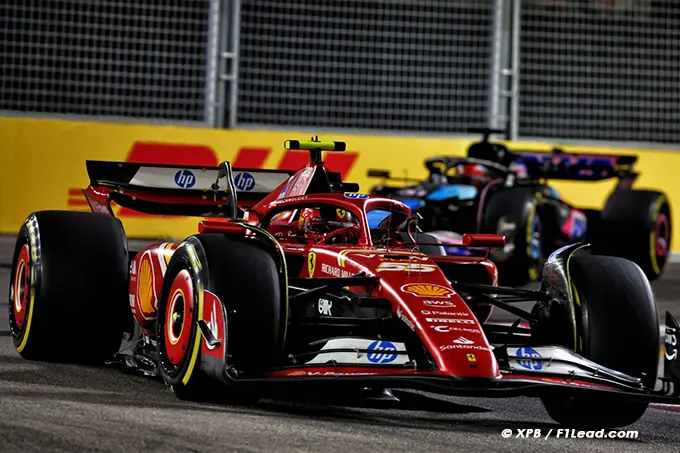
pixel 69 287
pixel 617 327
pixel 636 224
pixel 244 277
pixel 513 212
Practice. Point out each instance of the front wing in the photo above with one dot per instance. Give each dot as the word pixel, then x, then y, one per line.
pixel 559 370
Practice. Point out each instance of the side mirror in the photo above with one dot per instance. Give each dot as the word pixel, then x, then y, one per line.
pixel 251 217
pixel 378 173
pixel 483 240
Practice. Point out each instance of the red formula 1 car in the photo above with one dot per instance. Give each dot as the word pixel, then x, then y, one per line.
pixel 297 280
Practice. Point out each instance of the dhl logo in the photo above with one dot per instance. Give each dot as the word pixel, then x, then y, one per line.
pixel 203 155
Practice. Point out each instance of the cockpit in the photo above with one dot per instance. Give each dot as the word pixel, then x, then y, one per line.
pixel 316 223
pixel 325 222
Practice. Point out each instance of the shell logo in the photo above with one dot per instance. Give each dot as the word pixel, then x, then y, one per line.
pixel 145 287
pixel 422 290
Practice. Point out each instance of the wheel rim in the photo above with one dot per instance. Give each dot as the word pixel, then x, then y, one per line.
pixel 178 318
pixel 534 248
pixel 661 236
pixel 21 291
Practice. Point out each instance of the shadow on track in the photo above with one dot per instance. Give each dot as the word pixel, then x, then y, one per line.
pixel 109 386
pixel 413 411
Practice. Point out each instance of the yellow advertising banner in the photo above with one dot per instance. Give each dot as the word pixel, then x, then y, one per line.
pixel 42 163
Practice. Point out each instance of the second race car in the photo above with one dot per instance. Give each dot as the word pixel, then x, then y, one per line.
pixel 498 190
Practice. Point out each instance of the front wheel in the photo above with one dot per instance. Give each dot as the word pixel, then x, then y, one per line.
pixel 244 276
pixel 617 327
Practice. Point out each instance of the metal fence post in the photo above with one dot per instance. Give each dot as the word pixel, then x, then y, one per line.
pixel 212 64
pixel 226 57
pixel 495 88
pixel 516 15
pixel 235 49
pixel 230 60
pixel 503 90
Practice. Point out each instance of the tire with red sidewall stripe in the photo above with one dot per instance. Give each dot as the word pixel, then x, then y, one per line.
pixel 243 275
pixel 177 332
pixel 636 225
pixel 69 287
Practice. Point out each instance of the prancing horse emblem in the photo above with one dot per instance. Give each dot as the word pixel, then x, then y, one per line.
pixel 311 263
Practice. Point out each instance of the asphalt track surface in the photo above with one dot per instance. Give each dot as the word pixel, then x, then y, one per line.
pixel 51 407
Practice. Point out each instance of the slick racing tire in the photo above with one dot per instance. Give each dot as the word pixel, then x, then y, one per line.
pixel 513 212
pixel 69 287
pixel 617 327
pixel 244 276
pixel 636 224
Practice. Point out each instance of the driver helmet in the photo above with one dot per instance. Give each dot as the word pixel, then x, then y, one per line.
pixel 471 170
pixel 323 220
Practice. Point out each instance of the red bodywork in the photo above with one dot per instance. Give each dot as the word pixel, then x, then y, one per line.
pixel 419 291
pixel 421 294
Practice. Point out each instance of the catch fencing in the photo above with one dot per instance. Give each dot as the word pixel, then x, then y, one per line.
pixel 565 70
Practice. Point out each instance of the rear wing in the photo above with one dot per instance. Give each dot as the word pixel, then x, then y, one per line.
pixel 561 165
pixel 182 190
pixel 556 164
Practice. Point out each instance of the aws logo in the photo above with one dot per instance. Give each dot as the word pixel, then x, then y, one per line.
pixel 203 155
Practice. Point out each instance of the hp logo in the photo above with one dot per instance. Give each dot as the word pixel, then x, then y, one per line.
pixel 382 352
pixel 529 355
pixel 356 196
pixel 185 179
pixel 244 182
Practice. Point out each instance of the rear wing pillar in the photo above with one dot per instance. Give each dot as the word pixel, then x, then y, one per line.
pixel 224 171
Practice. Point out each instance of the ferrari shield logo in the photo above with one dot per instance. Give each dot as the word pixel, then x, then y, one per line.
pixel 471 358
pixel 311 263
